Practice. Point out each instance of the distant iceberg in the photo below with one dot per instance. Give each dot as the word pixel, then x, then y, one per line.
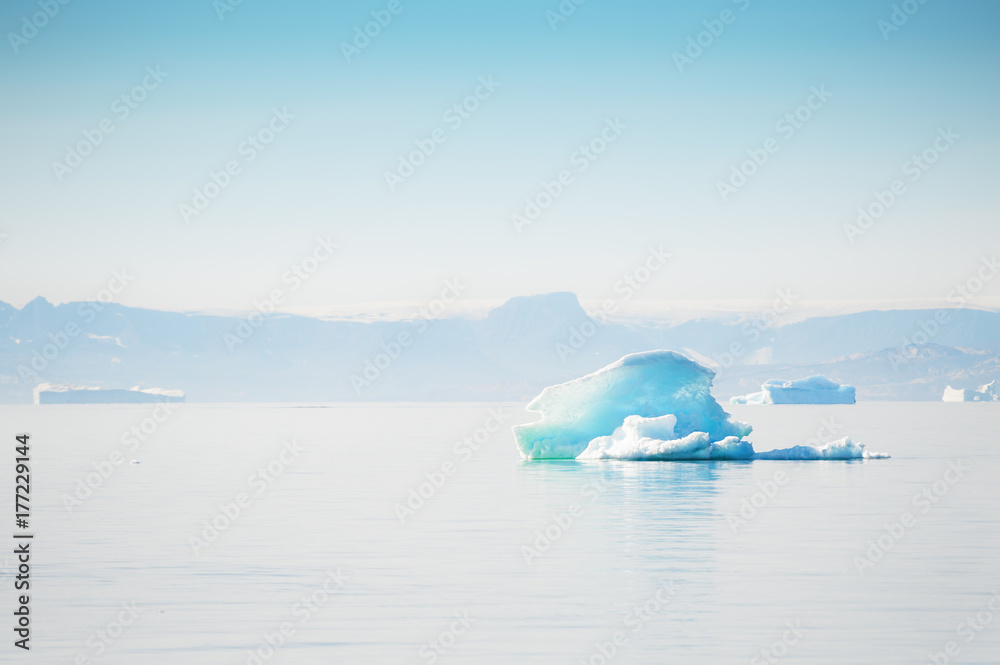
pixel 655 405
pixel 987 393
pixel 49 393
pixel 810 390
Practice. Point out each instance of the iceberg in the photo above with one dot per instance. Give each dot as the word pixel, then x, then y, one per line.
pixel 49 393
pixel 655 405
pixel 987 393
pixel 648 384
pixel 810 390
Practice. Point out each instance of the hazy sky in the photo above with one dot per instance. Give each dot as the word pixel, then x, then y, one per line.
pixel 554 86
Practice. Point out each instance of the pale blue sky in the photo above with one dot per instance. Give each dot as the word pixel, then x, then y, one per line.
pixel 655 185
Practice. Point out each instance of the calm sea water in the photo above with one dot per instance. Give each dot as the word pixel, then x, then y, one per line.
pixel 642 562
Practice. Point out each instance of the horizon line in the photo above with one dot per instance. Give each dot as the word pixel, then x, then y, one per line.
pixel 627 311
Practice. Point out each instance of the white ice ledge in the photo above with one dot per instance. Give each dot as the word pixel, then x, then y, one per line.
pixel 50 393
pixel 810 390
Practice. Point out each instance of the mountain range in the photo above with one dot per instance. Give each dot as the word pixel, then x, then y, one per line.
pixel 509 355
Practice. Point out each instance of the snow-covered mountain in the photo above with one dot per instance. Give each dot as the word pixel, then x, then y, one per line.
pixel 517 349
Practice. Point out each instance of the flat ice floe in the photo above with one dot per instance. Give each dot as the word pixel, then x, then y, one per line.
pixel 49 393
pixel 810 390
pixel 655 405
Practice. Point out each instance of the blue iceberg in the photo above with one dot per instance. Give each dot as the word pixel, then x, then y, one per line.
pixel 655 405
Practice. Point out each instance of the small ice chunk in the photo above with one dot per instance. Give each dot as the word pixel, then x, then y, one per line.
pixel 647 439
pixel 653 439
pixel 841 449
